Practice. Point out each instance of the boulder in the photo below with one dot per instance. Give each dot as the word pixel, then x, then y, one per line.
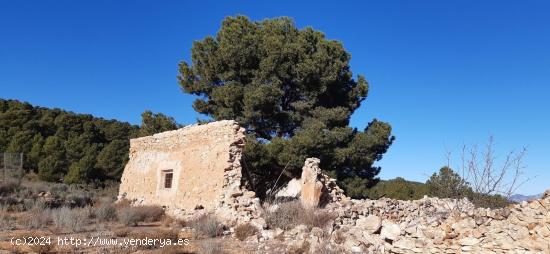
pixel 390 231
pixel 371 223
pixel 291 190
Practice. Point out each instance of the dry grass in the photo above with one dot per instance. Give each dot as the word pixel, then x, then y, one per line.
pixel 7 222
pixel 207 225
pixel 121 232
pixel 244 231
pixel 38 218
pixel 132 215
pixel 72 219
pixel 105 211
pixel 9 186
pixel 301 248
pixel 292 214
pixel 212 247
pixel 168 221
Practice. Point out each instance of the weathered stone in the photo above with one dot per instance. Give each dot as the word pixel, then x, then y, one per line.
pixel 371 223
pixel 291 190
pixel 404 243
pixel 312 188
pixel 468 241
pixel 390 231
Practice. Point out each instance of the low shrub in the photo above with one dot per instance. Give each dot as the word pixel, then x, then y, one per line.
pixel 291 214
pixel 207 225
pixel 244 231
pixel 73 219
pixel 132 215
pixel 81 199
pixel 34 204
pixel 9 186
pixel 105 211
pixel 168 221
pixel 37 218
pixel 7 222
pixel 212 247
pixel 121 232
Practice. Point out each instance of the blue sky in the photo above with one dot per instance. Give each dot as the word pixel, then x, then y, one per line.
pixel 443 73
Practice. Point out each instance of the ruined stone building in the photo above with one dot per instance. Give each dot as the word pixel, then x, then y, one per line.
pixel 195 167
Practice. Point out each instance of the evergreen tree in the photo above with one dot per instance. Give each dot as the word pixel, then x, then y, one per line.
pixel 57 142
pixel 155 123
pixel 112 159
pixel 447 184
pixel 294 92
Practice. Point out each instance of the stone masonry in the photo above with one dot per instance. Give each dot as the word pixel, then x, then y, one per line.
pixel 204 161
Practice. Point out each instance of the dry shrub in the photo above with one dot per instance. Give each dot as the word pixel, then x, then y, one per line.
pixel 105 211
pixel 79 199
pixel 121 232
pixel 339 238
pixel 301 248
pixel 244 231
pixel 132 215
pixel 168 221
pixel 211 246
pixel 207 225
pixel 9 186
pixel 123 203
pixel 292 214
pixel 7 222
pixel 42 248
pixel 174 250
pixel 34 204
pixel 37 218
pixel 72 219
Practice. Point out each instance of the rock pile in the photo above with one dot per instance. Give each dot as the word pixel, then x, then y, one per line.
pixel 429 225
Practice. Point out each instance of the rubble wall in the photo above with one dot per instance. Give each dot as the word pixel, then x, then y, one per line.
pixel 205 160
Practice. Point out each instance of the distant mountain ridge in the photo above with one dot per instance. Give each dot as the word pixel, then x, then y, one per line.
pixel 520 198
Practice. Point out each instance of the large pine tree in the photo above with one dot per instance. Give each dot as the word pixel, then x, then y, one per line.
pixel 294 92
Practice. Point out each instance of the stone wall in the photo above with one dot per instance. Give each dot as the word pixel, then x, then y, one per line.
pixel 428 225
pixel 205 160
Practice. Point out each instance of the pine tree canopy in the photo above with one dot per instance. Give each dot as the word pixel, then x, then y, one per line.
pixel 294 92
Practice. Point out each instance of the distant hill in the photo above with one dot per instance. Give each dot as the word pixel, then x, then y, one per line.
pixel 62 145
pixel 520 198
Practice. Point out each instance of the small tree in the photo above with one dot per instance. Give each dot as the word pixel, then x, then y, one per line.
pixel 486 176
pixel 447 184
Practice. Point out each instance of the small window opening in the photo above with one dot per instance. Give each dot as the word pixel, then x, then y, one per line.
pixel 168 176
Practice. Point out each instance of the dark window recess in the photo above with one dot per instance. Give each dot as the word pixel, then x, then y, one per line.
pixel 168 176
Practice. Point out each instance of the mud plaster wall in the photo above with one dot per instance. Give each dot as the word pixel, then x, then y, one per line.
pixel 205 160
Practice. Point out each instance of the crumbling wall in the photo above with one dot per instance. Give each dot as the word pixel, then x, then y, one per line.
pixel 205 160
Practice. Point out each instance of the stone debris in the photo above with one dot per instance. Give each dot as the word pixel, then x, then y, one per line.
pixel 208 158
pixel 428 225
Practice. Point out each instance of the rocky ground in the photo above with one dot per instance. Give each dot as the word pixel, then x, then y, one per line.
pixel 315 218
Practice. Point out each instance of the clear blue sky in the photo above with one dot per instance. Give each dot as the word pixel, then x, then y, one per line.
pixel 443 73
